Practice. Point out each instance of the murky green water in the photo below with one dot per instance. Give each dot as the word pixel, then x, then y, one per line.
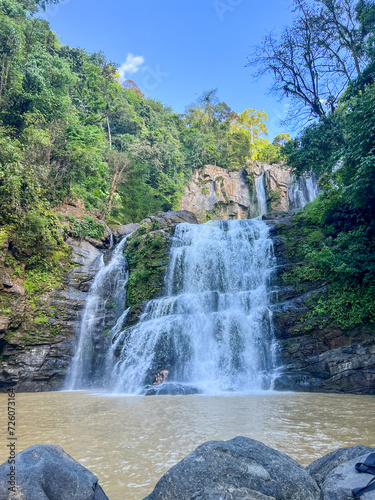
pixel 130 442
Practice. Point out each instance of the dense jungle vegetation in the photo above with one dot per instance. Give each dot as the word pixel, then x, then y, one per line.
pixel 325 64
pixel 70 131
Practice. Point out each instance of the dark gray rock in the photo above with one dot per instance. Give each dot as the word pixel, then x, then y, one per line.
pixel 340 482
pixel 320 469
pixel 241 468
pixel 347 369
pixel 171 389
pixel 46 472
pixel 87 260
pixel 315 355
pixel 279 216
pixel 178 217
pixel 126 230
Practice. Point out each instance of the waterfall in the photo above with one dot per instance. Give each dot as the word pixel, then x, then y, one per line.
pixel 212 328
pixel 101 316
pixel 261 195
pixel 302 192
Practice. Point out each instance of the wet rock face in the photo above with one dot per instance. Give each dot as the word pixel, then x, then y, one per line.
pixel 126 230
pixel 314 358
pixel 147 254
pixel 241 468
pixel 278 180
pixel 38 330
pixel 38 336
pixel 46 472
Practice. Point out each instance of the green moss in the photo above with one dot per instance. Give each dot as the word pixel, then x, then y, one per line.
pixel 17 272
pixel 205 190
pixel 250 179
pixel 347 300
pixel 4 233
pixel 274 197
pixel 5 302
pixel 41 318
pixel 38 282
pixel 147 256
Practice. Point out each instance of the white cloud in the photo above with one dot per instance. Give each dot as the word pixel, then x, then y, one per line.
pixel 132 65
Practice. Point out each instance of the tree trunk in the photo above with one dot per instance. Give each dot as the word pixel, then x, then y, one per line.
pixel 109 133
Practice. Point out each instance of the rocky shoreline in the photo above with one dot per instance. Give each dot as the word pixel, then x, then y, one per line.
pixel 239 469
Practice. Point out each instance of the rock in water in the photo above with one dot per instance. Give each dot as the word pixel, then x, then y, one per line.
pixel 46 472
pixel 170 389
pixel 320 469
pixel 241 468
pixel 340 482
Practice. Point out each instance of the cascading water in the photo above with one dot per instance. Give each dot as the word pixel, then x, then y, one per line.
pixel 302 192
pixel 101 319
pixel 213 327
pixel 261 195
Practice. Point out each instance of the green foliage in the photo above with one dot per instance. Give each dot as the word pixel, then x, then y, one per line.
pixel 87 227
pixel 147 256
pixel 68 131
pixel 274 196
pixel 318 148
pixel 337 252
pixel 38 282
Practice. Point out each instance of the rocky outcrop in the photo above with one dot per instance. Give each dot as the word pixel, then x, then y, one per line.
pixel 126 230
pixel 278 180
pixel 341 481
pixel 241 468
pixel 46 472
pixel 215 193
pixel 247 469
pixel 315 355
pixel 44 312
pixel 147 253
pixel 218 194
pixel 40 313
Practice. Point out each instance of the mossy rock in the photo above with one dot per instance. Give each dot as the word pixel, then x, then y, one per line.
pixel 148 257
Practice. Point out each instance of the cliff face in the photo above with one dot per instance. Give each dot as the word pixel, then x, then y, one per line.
pixel 40 313
pixel 39 318
pixel 218 194
pixel 316 355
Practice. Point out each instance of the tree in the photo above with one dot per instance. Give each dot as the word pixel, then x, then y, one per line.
pixel 254 123
pixel 119 164
pixel 281 139
pixel 314 59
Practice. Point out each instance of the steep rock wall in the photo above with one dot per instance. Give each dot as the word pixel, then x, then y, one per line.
pixel 316 356
pixel 39 319
pixel 40 313
pixel 218 194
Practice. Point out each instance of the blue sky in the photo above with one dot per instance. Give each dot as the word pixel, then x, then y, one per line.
pixel 176 49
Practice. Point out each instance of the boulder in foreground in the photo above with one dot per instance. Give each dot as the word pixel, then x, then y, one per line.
pixel 340 482
pixel 46 472
pixel 322 467
pixel 239 469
